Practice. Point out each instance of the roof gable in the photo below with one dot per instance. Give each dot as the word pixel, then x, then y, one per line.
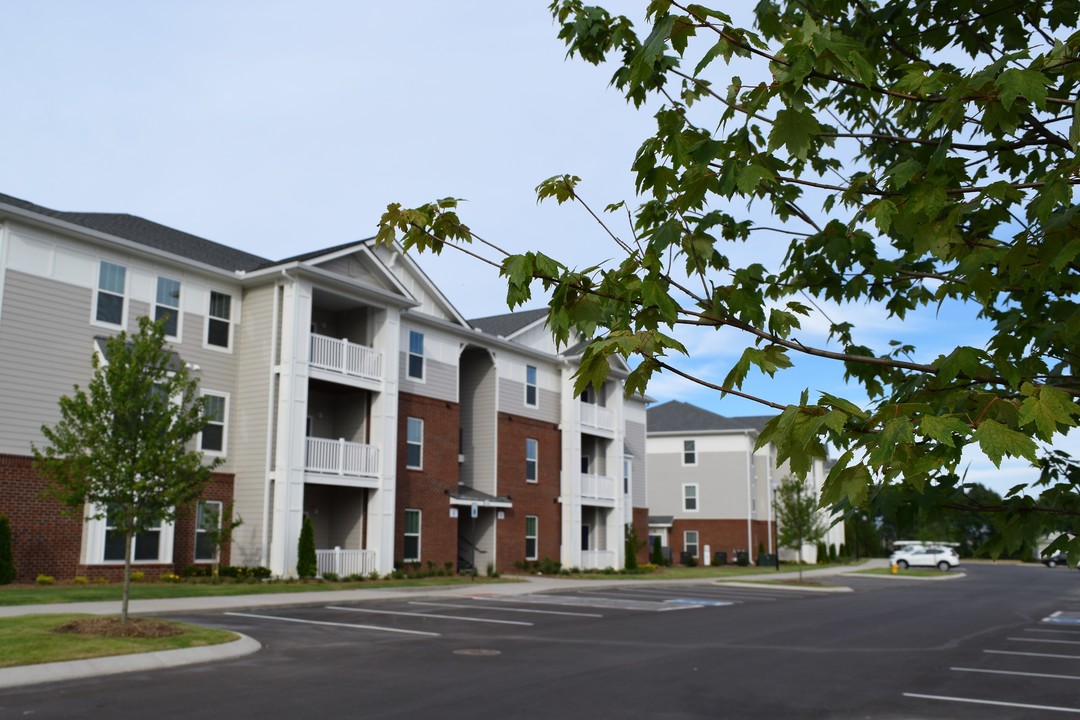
pixel 677 416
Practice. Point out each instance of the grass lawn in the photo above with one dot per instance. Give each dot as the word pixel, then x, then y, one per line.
pixel 68 593
pixel 29 640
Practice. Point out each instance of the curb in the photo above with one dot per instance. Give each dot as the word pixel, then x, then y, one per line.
pixel 116 664
pixel 943 578
pixel 763 584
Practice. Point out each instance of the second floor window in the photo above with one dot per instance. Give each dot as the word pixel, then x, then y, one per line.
pixel 219 320
pixel 109 301
pixel 530 386
pixel 689 452
pixel 212 438
pixel 532 451
pixel 415 368
pixel 167 305
pixel 414 444
pixel 690 498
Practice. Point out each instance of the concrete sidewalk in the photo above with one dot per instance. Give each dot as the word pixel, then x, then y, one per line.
pixel 31 674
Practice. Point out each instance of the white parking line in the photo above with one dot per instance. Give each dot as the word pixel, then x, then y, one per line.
pixel 594 601
pixel 1046 640
pixel 506 609
pixel 998 703
pixel 333 624
pixel 428 615
pixel 1015 672
pixel 1028 654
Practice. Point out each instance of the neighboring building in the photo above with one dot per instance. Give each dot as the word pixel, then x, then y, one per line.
pixel 710 488
pixel 346 389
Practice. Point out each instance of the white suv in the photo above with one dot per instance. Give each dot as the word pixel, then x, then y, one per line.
pixel 943 558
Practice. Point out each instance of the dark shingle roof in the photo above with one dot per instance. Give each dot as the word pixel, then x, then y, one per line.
pixel 153 235
pixel 508 323
pixel 677 416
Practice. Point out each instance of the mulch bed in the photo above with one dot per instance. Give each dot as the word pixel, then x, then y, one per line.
pixel 112 627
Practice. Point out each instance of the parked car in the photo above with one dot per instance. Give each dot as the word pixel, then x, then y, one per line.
pixel 1055 560
pixel 943 558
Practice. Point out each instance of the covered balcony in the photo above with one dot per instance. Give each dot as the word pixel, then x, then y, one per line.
pixel 597 417
pixel 598 489
pixel 345 357
pixel 346 460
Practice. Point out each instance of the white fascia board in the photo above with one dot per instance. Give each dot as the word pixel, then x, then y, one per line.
pixel 677 433
pixel 328 279
pixel 480 339
pixel 431 287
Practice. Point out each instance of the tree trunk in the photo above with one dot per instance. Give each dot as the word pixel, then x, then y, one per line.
pixel 128 538
pixel 800 563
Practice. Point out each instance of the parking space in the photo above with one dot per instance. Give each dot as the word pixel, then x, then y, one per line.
pixel 1033 670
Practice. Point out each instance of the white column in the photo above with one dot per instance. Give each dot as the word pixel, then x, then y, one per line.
pixel 384 435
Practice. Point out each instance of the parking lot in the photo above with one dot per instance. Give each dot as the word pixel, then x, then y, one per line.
pixel 999 642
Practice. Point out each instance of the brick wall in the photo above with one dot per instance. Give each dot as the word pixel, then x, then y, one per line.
pixel 641 527
pixel 427 490
pixel 44 541
pixel 539 498
pixel 721 535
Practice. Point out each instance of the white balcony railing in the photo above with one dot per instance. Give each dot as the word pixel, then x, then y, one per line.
pixel 345 357
pixel 338 457
pixel 346 562
pixel 597 559
pixel 597 487
pixel 597 416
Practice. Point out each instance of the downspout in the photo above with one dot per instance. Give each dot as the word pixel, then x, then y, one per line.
pixel 271 404
pixel 749 499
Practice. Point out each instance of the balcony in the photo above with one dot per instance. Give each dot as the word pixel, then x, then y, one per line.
pixel 598 488
pixel 344 563
pixel 342 459
pixel 597 417
pixel 345 358
pixel 597 559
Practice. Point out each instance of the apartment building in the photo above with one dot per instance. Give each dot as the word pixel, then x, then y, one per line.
pixel 710 489
pixel 345 388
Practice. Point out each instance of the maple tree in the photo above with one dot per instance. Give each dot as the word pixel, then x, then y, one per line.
pixel 915 154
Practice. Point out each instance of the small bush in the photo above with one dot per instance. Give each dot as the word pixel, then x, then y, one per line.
pixel 657 555
pixel 101 581
pixel 80 580
pixel 307 563
pixel 832 552
pixel 374 575
pixel 330 576
pixel 45 580
pixel 170 577
pixel 691 561
pixel 355 577
pixel 137 576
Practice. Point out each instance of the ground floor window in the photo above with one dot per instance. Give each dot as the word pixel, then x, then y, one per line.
pixel 105 542
pixel 207 523
pixel 690 543
pixel 531 536
pixel 412 536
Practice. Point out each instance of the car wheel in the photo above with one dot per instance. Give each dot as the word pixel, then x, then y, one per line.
pixel 902 564
pixel 1051 563
pixel 943 566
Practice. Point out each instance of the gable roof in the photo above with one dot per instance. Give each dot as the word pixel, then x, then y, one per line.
pixel 151 234
pixel 508 324
pixel 676 416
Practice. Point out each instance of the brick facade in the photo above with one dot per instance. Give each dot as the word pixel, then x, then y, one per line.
pixel 721 536
pixel 46 542
pixel 641 527
pixel 539 498
pixel 428 490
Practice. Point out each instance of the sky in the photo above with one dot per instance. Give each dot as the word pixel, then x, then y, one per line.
pixel 282 127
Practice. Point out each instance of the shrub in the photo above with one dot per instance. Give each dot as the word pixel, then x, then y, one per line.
pixel 7 560
pixel 822 552
pixel 657 555
pixel 45 580
pixel 632 545
pixel 80 580
pixel 101 580
pixel 374 575
pixel 307 564
pixel 137 576
pixel 170 577
pixel 330 577
pixel 832 552
pixel 691 561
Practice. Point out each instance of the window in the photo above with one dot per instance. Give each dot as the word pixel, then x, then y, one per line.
pixel 531 453
pixel 145 546
pixel 530 386
pixel 212 438
pixel 586 463
pixel 531 537
pixel 412 536
pixel 690 543
pixel 207 522
pixel 167 305
pixel 690 497
pixel 414 444
pixel 219 320
pixel 689 452
pixel 109 303
pixel 416 355
pixel 627 472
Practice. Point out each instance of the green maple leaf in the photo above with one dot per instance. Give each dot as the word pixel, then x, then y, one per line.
pixel 794 130
pixel 1014 83
pixel 997 441
pixel 1046 408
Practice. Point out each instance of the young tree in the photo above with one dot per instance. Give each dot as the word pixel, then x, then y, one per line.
pixel 217 531
pixel 121 448
pixel 798 520
pixel 911 156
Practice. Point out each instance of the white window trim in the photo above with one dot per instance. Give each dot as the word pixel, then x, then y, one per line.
pixel 534 385
pixel 178 310
pixel 422 355
pixel 696 543
pixel 535 538
pixel 535 461
pixel 198 530
pixel 232 322
pixel 683 453
pixel 124 296
pixel 418 534
pixel 409 442
pixel 224 429
pixel 697 497
pixel 94 542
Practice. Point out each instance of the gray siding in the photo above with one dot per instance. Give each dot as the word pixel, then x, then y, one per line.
pixel 512 400
pixel 635 440
pixel 478 425
pixel 440 379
